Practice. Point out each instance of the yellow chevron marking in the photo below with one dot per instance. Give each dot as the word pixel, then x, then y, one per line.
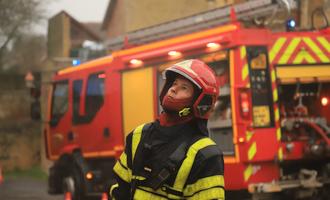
pixel 324 43
pixel 275 95
pixel 252 151
pixel 276 48
pixel 273 74
pixel 245 72
pixel 316 49
pixel 303 55
pixel 278 134
pixel 289 50
pixel 280 153
pixel 243 52
pixel 249 135
pixel 248 172
pixel 277 115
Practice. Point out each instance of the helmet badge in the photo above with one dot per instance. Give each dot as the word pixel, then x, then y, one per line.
pixel 187 66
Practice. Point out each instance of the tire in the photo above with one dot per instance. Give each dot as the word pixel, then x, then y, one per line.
pixel 73 184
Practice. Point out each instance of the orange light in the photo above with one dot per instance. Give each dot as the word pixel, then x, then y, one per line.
pixel 174 54
pixel 212 46
pixel 104 196
pixel 89 175
pixel 136 62
pixel 241 139
pixel 245 104
pixel 324 101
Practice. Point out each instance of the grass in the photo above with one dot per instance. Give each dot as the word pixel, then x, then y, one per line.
pixel 35 173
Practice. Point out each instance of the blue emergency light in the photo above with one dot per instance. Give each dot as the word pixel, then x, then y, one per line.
pixel 290 25
pixel 76 62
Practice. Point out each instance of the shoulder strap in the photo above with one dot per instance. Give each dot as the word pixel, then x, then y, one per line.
pixel 189 160
pixel 140 134
pixel 171 166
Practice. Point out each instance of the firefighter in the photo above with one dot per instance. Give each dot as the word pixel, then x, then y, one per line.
pixel 173 157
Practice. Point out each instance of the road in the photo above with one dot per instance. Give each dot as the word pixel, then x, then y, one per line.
pixel 25 189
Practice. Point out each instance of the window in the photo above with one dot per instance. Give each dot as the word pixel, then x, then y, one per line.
pixel 77 89
pixel 222 110
pixel 94 93
pixel 59 102
pixel 94 98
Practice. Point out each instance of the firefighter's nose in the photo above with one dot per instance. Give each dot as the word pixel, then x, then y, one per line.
pixel 172 90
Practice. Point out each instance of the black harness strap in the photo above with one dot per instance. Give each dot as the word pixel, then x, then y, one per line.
pixel 170 167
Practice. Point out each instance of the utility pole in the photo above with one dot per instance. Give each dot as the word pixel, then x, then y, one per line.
pixel 304 14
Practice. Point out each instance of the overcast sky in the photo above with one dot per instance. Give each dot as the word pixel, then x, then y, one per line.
pixel 81 10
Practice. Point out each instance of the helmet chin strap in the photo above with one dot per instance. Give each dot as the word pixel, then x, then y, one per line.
pixel 184 112
pixel 181 113
pixel 172 117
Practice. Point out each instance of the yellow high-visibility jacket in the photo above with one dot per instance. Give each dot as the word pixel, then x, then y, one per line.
pixel 199 175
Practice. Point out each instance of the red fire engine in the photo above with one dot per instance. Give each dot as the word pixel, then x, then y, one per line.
pixel 271 119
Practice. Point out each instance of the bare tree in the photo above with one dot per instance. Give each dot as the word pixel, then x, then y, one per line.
pixel 27 53
pixel 16 17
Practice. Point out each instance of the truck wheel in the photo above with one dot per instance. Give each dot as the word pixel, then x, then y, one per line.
pixel 73 184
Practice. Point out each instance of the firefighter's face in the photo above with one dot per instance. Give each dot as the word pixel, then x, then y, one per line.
pixel 181 89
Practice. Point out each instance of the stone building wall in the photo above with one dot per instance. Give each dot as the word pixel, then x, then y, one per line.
pixel 19 135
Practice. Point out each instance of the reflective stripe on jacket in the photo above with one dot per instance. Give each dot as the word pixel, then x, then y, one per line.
pixel 207 184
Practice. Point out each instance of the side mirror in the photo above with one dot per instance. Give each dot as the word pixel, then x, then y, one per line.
pixel 35 110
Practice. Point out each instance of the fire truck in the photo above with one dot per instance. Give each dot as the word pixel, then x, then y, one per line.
pixel 271 119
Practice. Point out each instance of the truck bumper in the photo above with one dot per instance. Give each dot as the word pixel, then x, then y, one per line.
pixel 307 179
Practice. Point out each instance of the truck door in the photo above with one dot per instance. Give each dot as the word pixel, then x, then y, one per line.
pixel 88 117
pixel 60 118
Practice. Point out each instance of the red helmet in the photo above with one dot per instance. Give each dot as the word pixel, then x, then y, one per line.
pixel 202 76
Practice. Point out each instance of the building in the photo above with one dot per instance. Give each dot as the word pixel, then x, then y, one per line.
pixel 124 16
pixel 66 35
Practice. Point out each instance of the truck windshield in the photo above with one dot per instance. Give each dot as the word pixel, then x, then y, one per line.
pixel 59 101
